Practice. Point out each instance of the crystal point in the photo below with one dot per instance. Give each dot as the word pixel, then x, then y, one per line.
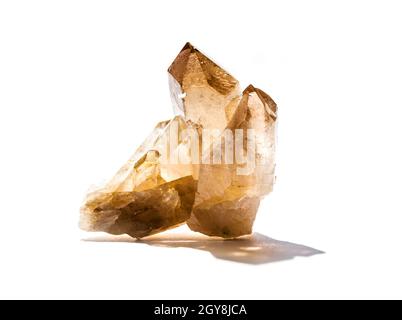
pixel 201 90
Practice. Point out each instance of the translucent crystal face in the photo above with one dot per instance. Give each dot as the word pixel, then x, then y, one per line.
pixel 179 175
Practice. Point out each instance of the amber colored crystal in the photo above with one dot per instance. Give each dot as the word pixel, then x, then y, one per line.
pixel 226 202
pixel 151 193
pixel 148 194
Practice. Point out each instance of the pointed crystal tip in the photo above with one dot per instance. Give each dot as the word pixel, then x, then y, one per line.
pixel 188 45
pixel 193 64
pixel 269 103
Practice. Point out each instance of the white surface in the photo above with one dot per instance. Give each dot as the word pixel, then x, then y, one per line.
pixel 83 82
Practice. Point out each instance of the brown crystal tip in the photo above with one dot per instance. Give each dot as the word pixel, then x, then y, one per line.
pixel 269 103
pixel 190 61
pixel 202 91
pixel 178 67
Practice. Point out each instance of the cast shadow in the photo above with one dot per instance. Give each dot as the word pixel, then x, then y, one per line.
pixel 255 249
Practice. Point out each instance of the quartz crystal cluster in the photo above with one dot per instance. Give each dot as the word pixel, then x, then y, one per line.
pixel 209 166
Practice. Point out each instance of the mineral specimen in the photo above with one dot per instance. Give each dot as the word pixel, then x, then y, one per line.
pixel 208 167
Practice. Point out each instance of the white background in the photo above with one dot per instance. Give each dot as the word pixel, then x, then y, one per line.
pixel 83 82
